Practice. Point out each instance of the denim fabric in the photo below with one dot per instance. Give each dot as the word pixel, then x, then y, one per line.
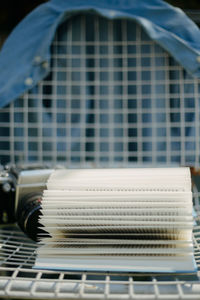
pixel 25 57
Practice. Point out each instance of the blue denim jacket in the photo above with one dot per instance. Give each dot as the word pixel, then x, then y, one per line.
pixel 25 57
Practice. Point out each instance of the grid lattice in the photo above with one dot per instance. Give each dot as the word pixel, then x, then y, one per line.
pixel 113 96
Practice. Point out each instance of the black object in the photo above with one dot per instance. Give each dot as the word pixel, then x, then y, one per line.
pixel 27 215
pixel 24 210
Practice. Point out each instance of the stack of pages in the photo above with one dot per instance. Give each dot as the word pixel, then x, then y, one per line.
pixel 126 220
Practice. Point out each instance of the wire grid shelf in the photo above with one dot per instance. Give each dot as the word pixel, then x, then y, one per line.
pixel 19 280
pixel 113 96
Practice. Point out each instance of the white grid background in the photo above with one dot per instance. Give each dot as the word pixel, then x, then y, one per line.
pixel 113 96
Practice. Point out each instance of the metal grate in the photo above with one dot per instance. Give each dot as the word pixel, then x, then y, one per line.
pixel 19 280
pixel 113 96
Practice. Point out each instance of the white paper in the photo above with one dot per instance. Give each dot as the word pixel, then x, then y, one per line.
pixel 130 220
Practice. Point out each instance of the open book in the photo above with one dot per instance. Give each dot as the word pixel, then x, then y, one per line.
pixel 126 220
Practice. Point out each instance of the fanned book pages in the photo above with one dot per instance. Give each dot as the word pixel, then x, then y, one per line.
pixel 124 220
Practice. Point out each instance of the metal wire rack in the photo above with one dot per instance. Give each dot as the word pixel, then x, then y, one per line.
pixel 114 98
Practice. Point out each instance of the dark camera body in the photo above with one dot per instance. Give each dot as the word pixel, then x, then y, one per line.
pixel 21 190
